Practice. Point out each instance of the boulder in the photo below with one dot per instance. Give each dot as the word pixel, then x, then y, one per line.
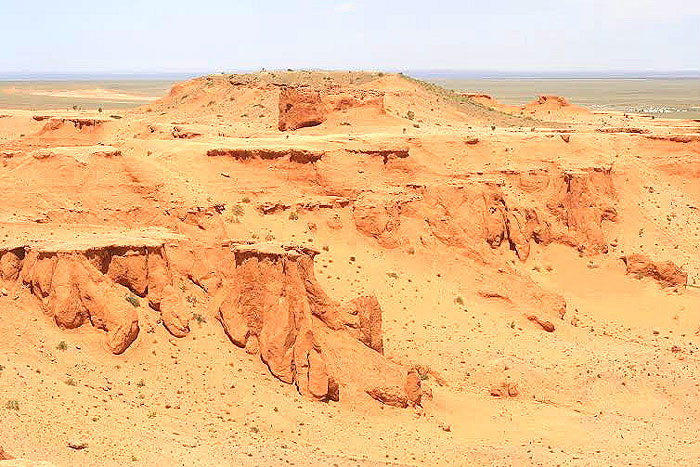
pixel 665 272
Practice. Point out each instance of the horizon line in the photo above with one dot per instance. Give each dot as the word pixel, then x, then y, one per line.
pixel 433 73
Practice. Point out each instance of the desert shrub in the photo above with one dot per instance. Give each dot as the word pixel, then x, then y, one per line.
pixel 12 405
pixel 62 346
pixel 410 115
pixel 459 301
pixel 133 299
pixel 293 216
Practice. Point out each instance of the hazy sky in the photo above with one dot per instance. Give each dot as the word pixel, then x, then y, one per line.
pixel 221 35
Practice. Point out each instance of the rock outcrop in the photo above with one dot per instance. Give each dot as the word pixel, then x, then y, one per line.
pixel 540 205
pixel 300 107
pixel 96 284
pixel 273 306
pixel 665 272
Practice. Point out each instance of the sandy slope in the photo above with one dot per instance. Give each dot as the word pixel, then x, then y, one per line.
pixel 477 231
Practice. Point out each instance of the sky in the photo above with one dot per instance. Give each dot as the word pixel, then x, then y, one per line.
pixel 159 36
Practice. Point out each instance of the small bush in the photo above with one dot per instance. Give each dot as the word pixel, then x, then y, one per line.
pixel 70 382
pixel 12 405
pixel 293 216
pixel 459 301
pixel 152 414
pixel 245 199
pixel 238 210
pixel 411 251
pixel 199 318
pixel 410 115
pixel 133 299
pixel 393 275
pixel 62 346
pixel 141 383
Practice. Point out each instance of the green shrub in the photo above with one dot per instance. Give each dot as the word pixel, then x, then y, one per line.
pixel 133 299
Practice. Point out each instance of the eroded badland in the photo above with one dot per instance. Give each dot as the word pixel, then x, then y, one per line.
pixel 310 268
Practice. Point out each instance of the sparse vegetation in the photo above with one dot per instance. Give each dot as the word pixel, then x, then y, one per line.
pixel 459 301
pixel 410 115
pixel 12 405
pixel 393 275
pixel 245 200
pixel 199 318
pixel 133 299
pixel 70 382
pixel 293 216
pixel 141 383
pixel 237 210
pixel 62 346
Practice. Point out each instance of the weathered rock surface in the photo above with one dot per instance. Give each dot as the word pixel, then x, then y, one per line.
pixel 576 203
pixel 99 285
pixel 665 272
pixel 274 306
pixel 300 107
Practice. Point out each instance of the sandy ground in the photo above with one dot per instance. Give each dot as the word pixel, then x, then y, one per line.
pixel 97 93
pixel 432 232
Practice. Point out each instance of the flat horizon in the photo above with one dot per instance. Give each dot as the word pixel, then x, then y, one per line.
pixel 420 73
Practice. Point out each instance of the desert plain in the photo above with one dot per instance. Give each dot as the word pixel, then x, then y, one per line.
pixel 348 269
